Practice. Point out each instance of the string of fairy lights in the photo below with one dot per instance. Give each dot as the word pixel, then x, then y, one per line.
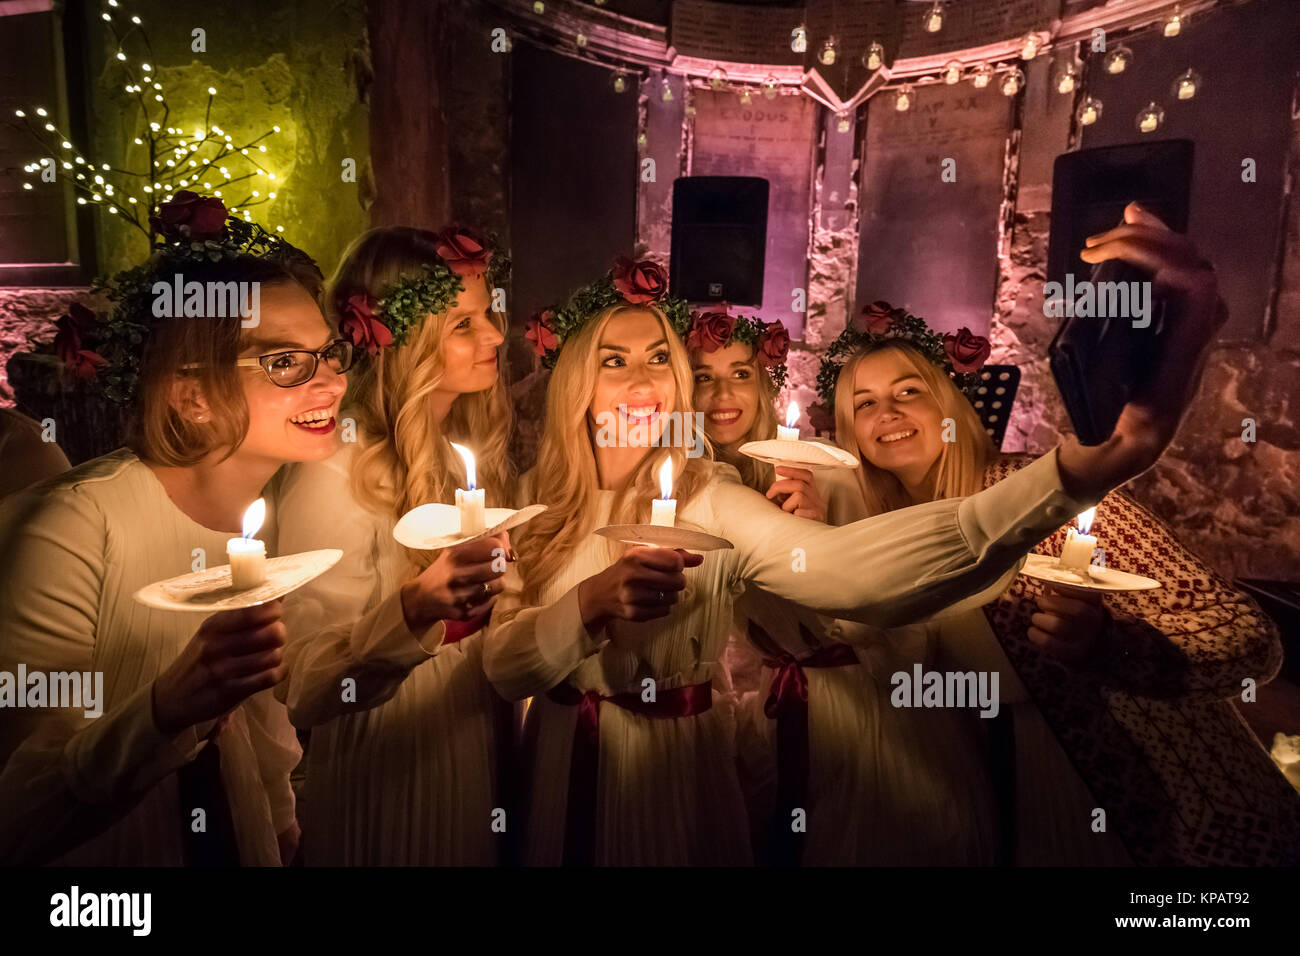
pixel 1008 73
pixel 208 158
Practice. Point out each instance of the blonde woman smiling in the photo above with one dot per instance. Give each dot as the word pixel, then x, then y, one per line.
pixel 814 728
pixel 1132 692
pixel 630 763
pixel 407 736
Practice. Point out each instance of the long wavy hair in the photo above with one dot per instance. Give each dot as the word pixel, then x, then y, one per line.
pixel 404 456
pixel 959 470
pixel 758 475
pixel 566 458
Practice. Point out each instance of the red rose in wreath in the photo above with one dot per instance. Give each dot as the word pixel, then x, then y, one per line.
pixel 360 326
pixel 967 351
pixel 710 331
pixel 639 282
pixel 187 215
pixel 464 250
pixel 774 345
pixel 540 330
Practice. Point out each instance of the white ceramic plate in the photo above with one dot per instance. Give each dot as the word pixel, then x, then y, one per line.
pixel 803 454
pixel 436 526
pixel 1047 568
pixel 663 537
pixel 210 591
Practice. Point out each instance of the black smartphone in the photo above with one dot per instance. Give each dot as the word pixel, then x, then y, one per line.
pixel 1111 318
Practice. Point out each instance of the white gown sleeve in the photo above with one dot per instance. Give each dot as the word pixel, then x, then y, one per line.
pixel 899 567
pixel 339 627
pixel 528 650
pixel 67 777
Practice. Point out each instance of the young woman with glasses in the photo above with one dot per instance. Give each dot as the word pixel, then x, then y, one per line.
pixel 189 730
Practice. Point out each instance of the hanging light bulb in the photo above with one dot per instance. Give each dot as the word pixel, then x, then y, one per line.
pixel 828 52
pixel 1029 46
pixel 1173 24
pixel 1186 85
pixel 745 98
pixel 771 87
pixel 842 123
pixel 620 82
pixel 874 58
pixel 666 91
pixel 1150 118
pixel 1089 111
pixel 1067 79
pixel 539 7
pixel 717 78
pixel 1012 82
pixel 642 141
pixel 580 39
pixel 934 19
pixel 952 72
pixel 1118 59
pixel 903 98
pixel 981 76
pixel 799 39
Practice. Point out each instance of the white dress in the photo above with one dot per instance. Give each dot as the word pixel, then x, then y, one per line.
pixel 103 791
pixel 405 771
pixel 666 788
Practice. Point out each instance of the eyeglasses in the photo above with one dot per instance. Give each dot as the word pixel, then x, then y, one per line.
pixel 298 366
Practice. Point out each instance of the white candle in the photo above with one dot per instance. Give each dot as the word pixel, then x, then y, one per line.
pixel 789 431
pixel 470 502
pixel 1079 545
pixel 247 555
pixel 663 510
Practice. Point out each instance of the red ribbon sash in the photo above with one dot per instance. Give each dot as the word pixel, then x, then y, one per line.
pixel 580 810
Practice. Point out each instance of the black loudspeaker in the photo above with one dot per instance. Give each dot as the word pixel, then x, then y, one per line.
pixel 719 239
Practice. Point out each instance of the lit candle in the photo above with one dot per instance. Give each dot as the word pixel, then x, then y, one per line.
pixel 788 431
pixel 470 502
pixel 663 510
pixel 1149 123
pixel 1089 116
pixel 247 555
pixel 1186 89
pixel 1079 545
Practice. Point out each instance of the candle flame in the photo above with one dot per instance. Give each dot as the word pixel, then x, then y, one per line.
pixel 666 478
pixel 254 517
pixel 791 414
pixel 468 457
pixel 1085 520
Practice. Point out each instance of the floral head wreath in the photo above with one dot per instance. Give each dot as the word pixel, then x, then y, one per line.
pixel 717 328
pixel 960 354
pixel 374 325
pixel 101 348
pixel 629 282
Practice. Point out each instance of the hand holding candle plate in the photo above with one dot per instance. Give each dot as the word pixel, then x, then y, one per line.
pixel 662 531
pixel 1074 567
pixel 789 449
pixel 435 526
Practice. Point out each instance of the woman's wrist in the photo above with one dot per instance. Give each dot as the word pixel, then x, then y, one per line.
pixel 594 617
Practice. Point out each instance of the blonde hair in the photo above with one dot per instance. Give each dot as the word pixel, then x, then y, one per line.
pixel 758 475
pixel 959 470
pixel 405 458
pixel 566 459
